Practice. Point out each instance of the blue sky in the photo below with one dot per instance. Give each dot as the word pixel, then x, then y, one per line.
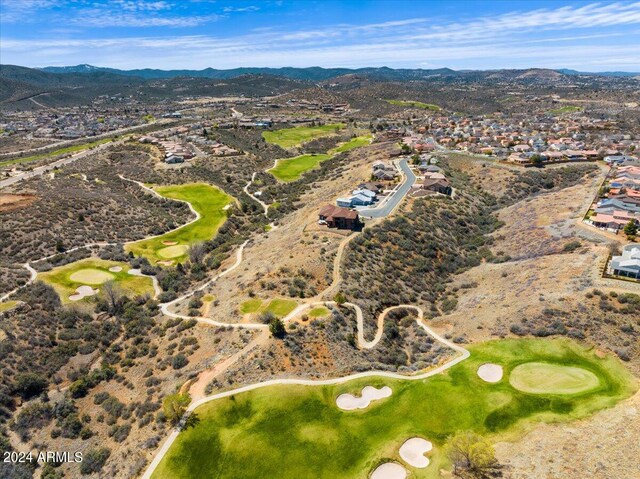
pixel 175 34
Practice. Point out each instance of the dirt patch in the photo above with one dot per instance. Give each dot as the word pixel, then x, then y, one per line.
pixel 9 201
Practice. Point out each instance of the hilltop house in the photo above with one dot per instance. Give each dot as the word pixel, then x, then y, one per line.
pixel 337 217
pixel 627 264
pixel 438 185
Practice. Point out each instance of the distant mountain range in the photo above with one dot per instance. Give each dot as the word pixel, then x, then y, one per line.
pixel 311 73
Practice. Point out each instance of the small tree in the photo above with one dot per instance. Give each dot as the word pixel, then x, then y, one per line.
pixel 470 455
pixel 197 253
pixel 174 406
pixel 631 229
pixel 340 298
pixel 276 326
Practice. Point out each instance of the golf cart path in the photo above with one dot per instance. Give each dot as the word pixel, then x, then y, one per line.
pixel 464 354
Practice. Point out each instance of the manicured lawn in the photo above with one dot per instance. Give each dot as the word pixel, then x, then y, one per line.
pixel 279 307
pixel 319 312
pixel 297 431
pixel 61 151
pixel 415 104
pixel 291 137
pixel 207 200
pixel 94 272
pixel 565 109
pixel 7 305
pixel 291 169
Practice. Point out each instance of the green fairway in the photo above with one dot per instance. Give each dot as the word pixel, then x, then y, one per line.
pixel 415 104
pixel 61 151
pixel 319 312
pixel 94 272
pixel 7 305
pixel 291 431
pixel 291 169
pixel 279 307
pixel 565 109
pixel 250 306
pixel 353 143
pixel 207 200
pixel 291 137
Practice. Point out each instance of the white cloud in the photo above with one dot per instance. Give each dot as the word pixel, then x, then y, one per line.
pixel 565 36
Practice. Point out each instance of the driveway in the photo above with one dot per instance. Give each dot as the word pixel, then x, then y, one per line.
pixel 389 204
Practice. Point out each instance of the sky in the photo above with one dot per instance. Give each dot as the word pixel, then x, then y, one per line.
pixel 196 34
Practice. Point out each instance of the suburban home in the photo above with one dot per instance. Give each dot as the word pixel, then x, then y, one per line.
pixel 627 264
pixel 377 188
pixel 384 175
pixel 337 217
pixel 614 221
pixel 360 197
pixel 439 185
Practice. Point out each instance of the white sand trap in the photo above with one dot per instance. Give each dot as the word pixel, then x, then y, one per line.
pixel 169 243
pixel 227 207
pixel 389 470
pixel 83 292
pixel 413 450
pixel 115 269
pixel 349 402
pixel 489 372
pixel 165 263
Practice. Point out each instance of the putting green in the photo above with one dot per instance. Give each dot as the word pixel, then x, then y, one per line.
pixel 91 276
pixel 93 272
pixel 546 378
pixel 171 252
pixel 282 430
pixel 208 201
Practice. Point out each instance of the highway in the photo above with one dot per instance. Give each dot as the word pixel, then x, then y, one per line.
pixel 389 204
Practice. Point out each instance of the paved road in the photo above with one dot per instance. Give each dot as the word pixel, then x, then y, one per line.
pixel 388 205
pixel 64 161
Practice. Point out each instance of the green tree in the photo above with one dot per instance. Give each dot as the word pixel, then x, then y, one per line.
pixel 340 298
pixel 174 406
pixel 471 455
pixel 276 326
pixel 631 228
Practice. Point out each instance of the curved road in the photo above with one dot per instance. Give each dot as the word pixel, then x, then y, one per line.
pixel 386 207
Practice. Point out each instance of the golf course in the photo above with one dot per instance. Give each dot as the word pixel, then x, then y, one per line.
pixel 292 137
pixel 291 169
pixel 294 431
pixel 172 247
pixel 89 274
pixel 414 104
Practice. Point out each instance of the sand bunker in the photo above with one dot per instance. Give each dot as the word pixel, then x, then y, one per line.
pixel 225 208
pixel 389 470
pixel 91 276
pixel 83 292
pixel 165 262
pixel 169 243
pixel 173 251
pixel 489 372
pixel 349 402
pixel 115 269
pixel 413 450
